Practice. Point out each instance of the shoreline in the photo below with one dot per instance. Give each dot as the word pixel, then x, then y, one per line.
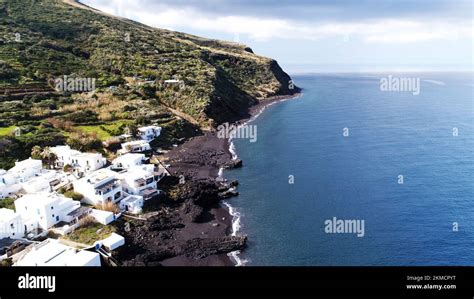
pixel 204 158
pixel 254 111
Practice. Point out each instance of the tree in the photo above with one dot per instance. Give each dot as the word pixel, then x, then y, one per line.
pixel 68 168
pixel 84 142
pixel 36 152
pixel 48 157
pixel 132 130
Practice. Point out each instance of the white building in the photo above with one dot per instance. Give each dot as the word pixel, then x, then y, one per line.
pixel 99 187
pixel 83 162
pixel 113 242
pixel 11 224
pixel 8 184
pixel 132 204
pixel 128 161
pixel 140 180
pixel 26 169
pixel 46 210
pixel 103 217
pixel 149 133
pixel 64 155
pixel 88 162
pixel 45 181
pixel 137 146
pixel 53 253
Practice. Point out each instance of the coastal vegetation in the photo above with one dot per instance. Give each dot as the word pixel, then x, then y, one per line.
pixel 214 81
pixel 90 232
pixel 7 203
pixel 74 195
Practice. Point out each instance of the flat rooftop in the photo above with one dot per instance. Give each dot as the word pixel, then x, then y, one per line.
pixel 42 198
pixel 88 155
pixel 52 253
pixel 99 175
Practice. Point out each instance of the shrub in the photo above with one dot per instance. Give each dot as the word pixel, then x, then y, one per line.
pixel 128 108
pixel 60 124
pixel 67 168
pixel 6 262
pixel 87 221
pixel 7 203
pixel 84 142
pixel 6 71
pixel 109 207
pixel 11 150
pixel 86 116
pixel 74 195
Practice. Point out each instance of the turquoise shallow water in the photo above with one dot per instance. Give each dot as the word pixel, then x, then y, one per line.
pixel 356 177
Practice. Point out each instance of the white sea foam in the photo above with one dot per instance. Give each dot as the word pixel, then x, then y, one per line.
pixel 235 229
pixel 238 261
pixel 235 255
pixel 232 150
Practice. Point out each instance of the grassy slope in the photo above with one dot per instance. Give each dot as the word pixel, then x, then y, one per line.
pixel 58 39
pixel 221 79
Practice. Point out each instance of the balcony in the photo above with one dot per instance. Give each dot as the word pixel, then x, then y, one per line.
pixel 107 187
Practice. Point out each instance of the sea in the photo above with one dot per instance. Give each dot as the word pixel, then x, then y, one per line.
pixel 349 149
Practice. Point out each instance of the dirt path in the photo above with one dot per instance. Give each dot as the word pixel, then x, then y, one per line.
pixel 185 116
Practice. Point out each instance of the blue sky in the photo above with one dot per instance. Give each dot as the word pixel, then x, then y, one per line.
pixel 324 35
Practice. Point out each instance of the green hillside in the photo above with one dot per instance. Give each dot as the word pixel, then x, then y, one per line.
pixel 42 40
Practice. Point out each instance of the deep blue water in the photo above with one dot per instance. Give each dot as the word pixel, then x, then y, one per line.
pixel 356 177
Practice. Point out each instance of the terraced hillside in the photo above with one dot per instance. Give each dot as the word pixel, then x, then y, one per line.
pixel 142 75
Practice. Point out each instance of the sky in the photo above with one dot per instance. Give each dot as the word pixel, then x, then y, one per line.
pixel 324 35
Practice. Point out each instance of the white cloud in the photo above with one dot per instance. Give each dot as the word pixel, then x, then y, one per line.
pixel 374 31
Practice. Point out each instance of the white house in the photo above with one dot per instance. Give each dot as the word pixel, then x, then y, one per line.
pixel 149 133
pixel 88 162
pixel 8 184
pixel 46 209
pixel 99 187
pixel 132 204
pixel 45 181
pixel 53 253
pixel 64 155
pixel 103 217
pixel 140 180
pixel 172 81
pixel 26 169
pixel 137 146
pixel 11 224
pixel 128 161
pixel 113 242
pixel 84 162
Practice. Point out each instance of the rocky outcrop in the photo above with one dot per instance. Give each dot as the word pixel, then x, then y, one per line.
pixel 237 163
pixel 160 237
pixel 201 248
